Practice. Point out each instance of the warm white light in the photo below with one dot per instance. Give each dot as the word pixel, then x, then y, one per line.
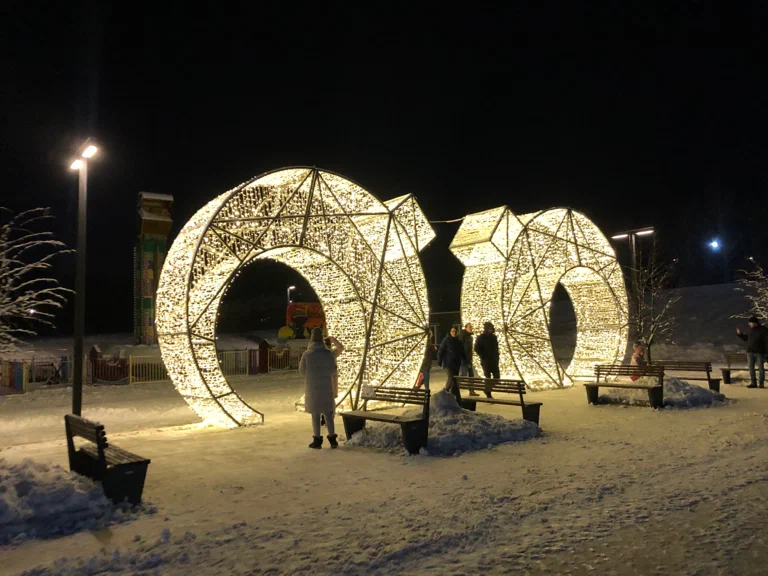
pixel 619 236
pixel 291 287
pixel 359 255
pixel 90 151
pixel 513 264
pixel 643 232
pixel 77 164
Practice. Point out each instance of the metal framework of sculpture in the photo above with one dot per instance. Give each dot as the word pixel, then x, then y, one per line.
pixel 359 254
pixel 513 264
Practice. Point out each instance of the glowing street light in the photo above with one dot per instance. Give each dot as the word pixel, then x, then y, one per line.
pixel 289 292
pixel 714 244
pixel 632 235
pixel 87 150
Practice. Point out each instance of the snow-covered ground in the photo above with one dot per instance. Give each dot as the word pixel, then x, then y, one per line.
pixel 677 394
pixel 604 490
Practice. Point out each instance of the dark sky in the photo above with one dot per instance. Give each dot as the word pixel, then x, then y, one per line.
pixel 637 114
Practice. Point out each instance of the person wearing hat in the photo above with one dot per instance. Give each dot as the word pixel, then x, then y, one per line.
pixel 757 342
pixel 318 365
pixel 487 349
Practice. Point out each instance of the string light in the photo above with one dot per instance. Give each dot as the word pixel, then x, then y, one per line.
pixel 513 264
pixel 359 255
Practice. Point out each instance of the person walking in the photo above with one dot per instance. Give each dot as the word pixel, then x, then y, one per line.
pixel 318 365
pixel 426 364
pixel 757 343
pixel 466 337
pixel 487 349
pixel 450 355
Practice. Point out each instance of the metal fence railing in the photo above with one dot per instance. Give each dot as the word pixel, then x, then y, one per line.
pixel 147 369
pixel 135 369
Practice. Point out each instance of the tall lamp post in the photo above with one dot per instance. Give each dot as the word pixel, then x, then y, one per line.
pixel 631 236
pixel 87 151
pixel 289 292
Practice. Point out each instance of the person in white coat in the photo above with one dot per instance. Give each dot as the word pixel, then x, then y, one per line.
pixel 318 365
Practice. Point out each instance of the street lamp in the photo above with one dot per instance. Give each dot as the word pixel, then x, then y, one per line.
pixel 632 235
pixel 714 244
pixel 289 292
pixel 87 151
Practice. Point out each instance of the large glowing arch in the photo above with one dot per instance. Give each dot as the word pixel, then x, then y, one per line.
pixel 513 264
pixel 360 256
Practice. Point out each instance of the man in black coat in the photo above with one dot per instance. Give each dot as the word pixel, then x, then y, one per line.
pixel 450 356
pixel 757 342
pixel 466 337
pixel 487 349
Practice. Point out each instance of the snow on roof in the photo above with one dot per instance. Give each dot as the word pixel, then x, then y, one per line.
pixel 153 196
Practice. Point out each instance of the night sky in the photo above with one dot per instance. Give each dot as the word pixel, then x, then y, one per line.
pixel 638 115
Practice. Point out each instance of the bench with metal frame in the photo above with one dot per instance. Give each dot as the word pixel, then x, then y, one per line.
pixel 692 366
pixel 604 371
pixel 415 428
pixel 505 386
pixel 120 472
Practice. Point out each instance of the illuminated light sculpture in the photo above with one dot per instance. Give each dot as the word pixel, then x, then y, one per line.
pixel 359 254
pixel 513 264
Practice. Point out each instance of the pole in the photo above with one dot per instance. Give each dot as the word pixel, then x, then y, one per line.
pixel 77 380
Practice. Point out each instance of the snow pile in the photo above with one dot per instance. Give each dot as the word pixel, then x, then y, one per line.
pixel 451 429
pixel 39 501
pixel 677 394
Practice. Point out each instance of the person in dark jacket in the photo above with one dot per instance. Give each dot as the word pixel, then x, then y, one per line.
pixel 487 349
pixel 450 355
pixel 466 337
pixel 757 342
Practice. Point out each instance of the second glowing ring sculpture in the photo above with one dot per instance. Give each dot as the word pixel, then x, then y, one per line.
pixel 359 254
pixel 513 264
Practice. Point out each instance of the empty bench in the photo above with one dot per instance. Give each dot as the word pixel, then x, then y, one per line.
pixel 120 472
pixel 655 390
pixel 504 386
pixel 685 366
pixel 415 428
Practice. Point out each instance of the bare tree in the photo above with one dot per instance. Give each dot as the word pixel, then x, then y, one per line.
pixel 28 297
pixel 754 285
pixel 652 299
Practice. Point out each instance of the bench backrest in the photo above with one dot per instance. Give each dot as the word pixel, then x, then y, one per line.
pixel 391 395
pixel 735 358
pixel 92 431
pixel 504 385
pixel 604 370
pixel 684 365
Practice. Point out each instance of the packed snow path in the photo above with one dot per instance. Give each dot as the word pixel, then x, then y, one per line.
pixel 608 490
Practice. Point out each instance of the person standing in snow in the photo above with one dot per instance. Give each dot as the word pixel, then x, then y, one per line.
pixel 487 349
pixel 450 356
pixel 466 337
pixel 757 342
pixel 638 359
pixel 318 367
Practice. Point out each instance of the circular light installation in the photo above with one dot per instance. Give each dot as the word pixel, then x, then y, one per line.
pixel 359 254
pixel 513 264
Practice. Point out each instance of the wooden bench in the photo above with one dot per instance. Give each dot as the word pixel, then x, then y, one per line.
pixel 504 386
pixel 121 473
pixel 602 372
pixel 686 366
pixel 415 428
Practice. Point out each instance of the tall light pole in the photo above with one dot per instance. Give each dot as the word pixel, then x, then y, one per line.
pixel 289 292
pixel 87 151
pixel 631 236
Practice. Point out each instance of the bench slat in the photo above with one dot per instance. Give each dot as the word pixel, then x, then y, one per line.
pixel 381 416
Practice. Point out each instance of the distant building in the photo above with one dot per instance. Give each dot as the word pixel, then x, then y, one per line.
pixel 154 225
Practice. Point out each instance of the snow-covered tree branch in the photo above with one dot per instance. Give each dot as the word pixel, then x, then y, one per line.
pixel 754 285
pixel 28 296
pixel 652 299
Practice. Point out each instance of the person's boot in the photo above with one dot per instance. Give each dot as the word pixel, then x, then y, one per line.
pixel 317 442
pixel 752 386
pixel 332 440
